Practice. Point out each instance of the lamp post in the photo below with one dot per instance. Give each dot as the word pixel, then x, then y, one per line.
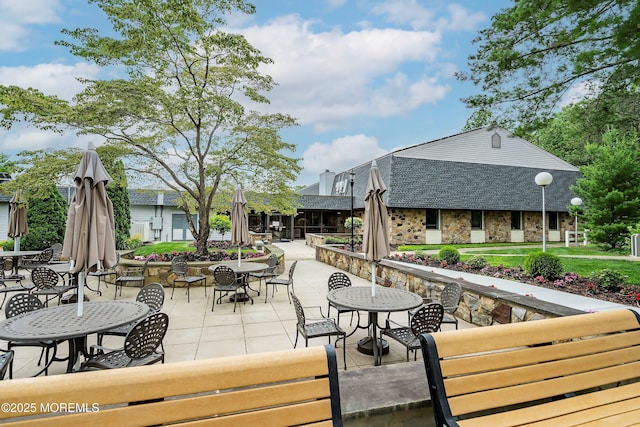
pixel 351 177
pixel 543 179
pixel 576 201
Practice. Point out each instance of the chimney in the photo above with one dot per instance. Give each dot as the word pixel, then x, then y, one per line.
pixel 326 183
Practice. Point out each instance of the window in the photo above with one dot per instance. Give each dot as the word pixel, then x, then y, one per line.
pixel 433 219
pixel 553 220
pixel 516 220
pixel 476 220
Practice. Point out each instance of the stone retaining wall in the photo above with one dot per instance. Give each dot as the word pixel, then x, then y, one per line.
pixel 161 271
pixel 480 305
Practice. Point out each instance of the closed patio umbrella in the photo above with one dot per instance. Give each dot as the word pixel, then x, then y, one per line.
pixel 375 240
pixel 89 240
pixel 17 219
pixel 239 221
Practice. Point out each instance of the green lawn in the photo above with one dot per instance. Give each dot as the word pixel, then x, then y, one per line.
pixel 580 266
pixel 571 250
pixel 165 248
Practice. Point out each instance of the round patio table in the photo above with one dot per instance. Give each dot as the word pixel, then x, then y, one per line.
pixel 242 271
pixel 15 257
pixel 61 322
pixel 386 300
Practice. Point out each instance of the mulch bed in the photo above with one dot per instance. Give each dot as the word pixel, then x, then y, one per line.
pixel 571 282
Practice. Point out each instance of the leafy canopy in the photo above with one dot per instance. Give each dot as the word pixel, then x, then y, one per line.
pixel 180 106
pixel 534 52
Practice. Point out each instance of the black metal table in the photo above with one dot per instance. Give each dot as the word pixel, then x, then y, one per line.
pixel 61 322
pixel 15 258
pixel 386 300
pixel 242 272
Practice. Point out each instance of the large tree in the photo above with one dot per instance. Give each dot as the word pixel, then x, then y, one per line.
pixel 183 113
pixel 610 188
pixel 535 52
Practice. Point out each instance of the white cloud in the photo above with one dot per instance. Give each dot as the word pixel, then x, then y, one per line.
pixel 327 78
pixel 336 3
pixel 51 79
pixel 340 154
pixel 416 16
pixel 17 16
pixel 580 91
pixel 24 137
pixel 461 20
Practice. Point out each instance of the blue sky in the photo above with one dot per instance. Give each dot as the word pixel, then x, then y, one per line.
pixel 363 77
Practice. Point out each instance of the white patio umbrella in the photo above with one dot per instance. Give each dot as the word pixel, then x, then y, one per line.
pixel 89 240
pixel 239 221
pixel 375 241
pixel 18 226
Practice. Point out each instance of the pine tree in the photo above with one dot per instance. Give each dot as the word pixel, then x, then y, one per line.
pixel 610 189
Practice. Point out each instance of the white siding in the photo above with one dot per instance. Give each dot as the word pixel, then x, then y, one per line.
pixel 4 221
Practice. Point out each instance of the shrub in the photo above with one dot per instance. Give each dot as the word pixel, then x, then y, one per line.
pixel 419 254
pixel 608 279
pixel 543 264
pixel 355 221
pixel 7 245
pixel 477 262
pixel 133 242
pixel 449 254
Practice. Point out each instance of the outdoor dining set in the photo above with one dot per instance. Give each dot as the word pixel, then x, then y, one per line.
pixel 423 315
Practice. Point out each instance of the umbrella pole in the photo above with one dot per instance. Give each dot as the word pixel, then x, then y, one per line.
pixel 80 293
pixel 373 279
pixel 239 256
pixel 16 244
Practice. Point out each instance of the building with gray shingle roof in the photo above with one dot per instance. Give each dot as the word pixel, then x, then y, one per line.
pixel 476 186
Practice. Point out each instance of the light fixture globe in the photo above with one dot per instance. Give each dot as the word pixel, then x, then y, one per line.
pixel 576 201
pixel 543 179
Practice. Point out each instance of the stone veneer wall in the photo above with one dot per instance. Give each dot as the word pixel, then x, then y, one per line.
pixel 407 226
pixel 480 305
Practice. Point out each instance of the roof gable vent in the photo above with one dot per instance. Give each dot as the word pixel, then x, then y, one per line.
pixel 495 140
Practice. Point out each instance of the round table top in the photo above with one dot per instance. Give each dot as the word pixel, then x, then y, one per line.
pixel 62 321
pixel 7 254
pixel 244 267
pixel 386 299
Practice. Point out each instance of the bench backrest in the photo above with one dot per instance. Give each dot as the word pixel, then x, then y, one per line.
pixel 293 387
pixel 477 371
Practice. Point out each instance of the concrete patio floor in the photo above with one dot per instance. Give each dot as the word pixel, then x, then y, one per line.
pixel 195 332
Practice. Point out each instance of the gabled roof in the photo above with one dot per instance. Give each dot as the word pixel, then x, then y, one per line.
pixel 464 172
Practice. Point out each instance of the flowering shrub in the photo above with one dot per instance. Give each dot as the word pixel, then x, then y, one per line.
pixel 215 255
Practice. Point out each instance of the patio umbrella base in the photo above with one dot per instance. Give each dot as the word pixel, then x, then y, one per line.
pixel 365 346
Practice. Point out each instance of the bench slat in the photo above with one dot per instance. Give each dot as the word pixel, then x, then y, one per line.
pixel 530 392
pixel 200 406
pixel 540 371
pixel 495 361
pixel 451 343
pixel 286 415
pixel 555 409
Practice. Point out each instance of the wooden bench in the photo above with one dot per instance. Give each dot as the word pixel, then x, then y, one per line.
pixel 293 387
pixel 575 370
